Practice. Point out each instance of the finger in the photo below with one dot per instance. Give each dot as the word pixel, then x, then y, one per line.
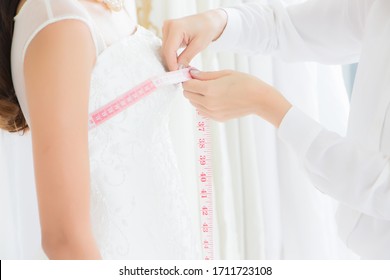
pixel 194 47
pixel 172 41
pixel 199 107
pixel 194 97
pixel 202 109
pixel 204 113
pixel 170 53
pixel 212 115
pixel 205 76
pixel 196 86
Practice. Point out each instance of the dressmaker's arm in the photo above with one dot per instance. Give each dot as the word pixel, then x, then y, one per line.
pixel 328 31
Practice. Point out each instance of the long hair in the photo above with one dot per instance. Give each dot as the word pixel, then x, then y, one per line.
pixel 11 116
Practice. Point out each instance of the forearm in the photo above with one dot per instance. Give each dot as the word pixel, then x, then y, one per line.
pixel 267 102
pixel 272 106
pixel 250 29
pixel 219 18
pixel 355 176
pixel 315 30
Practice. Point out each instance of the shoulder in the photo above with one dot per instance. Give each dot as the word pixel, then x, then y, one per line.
pixel 51 9
pixel 36 15
pixel 57 69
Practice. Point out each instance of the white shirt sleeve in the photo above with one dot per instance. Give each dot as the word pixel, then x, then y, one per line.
pixel 327 31
pixel 337 167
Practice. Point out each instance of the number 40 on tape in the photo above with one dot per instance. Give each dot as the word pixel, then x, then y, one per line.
pixel 205 183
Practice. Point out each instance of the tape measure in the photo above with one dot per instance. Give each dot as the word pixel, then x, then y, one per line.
pixel 134 95
pixel 203 145
pixel 205 183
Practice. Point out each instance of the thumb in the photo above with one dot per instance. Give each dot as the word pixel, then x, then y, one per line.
pixel 205 76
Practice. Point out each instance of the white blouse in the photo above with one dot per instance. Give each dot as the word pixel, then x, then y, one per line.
pixel 354 169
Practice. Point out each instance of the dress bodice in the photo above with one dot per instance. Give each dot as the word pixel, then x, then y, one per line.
pixel 135 180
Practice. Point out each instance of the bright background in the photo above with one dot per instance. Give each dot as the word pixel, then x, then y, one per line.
pixel 265 207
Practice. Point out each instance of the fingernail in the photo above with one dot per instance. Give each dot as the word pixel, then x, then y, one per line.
pixel 182 66
pixel 194 72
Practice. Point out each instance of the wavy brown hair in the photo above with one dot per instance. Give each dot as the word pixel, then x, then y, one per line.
pixel 11 116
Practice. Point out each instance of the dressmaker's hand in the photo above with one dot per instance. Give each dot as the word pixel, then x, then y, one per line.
pixel 227 94
pixel 194 33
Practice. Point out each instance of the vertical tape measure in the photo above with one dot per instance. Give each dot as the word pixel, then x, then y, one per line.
pixel 203 138
pixel 205 183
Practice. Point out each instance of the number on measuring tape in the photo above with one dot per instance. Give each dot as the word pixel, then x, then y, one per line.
pixel 205 182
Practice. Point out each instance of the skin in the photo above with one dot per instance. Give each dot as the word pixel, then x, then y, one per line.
pixel 21 3
pixel 57 96
pixel 225 95
pixel 222 95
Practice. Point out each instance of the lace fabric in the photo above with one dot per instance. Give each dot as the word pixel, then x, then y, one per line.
pixel 138 194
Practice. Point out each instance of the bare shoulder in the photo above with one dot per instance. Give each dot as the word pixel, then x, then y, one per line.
pixel 61 36
pixel 57 70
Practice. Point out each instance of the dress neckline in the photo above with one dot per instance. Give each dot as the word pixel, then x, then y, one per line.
pixel 139 31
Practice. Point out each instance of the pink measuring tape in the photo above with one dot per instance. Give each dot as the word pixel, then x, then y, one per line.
pixel 134 95
pixel 203 138
pixel 205 184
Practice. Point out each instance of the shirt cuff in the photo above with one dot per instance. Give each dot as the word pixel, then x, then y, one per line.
pixel 230 36
pixel 299 131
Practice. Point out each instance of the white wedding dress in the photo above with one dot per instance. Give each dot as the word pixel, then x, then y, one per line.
pixel 139 208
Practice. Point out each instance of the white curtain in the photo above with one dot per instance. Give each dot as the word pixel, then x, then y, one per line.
pixel 264 205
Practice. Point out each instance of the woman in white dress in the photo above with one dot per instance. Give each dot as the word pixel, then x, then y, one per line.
pixel 113 192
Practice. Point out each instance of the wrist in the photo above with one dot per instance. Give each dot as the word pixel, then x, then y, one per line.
pixel 281 110
pixel 270 104
pixel 219 20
